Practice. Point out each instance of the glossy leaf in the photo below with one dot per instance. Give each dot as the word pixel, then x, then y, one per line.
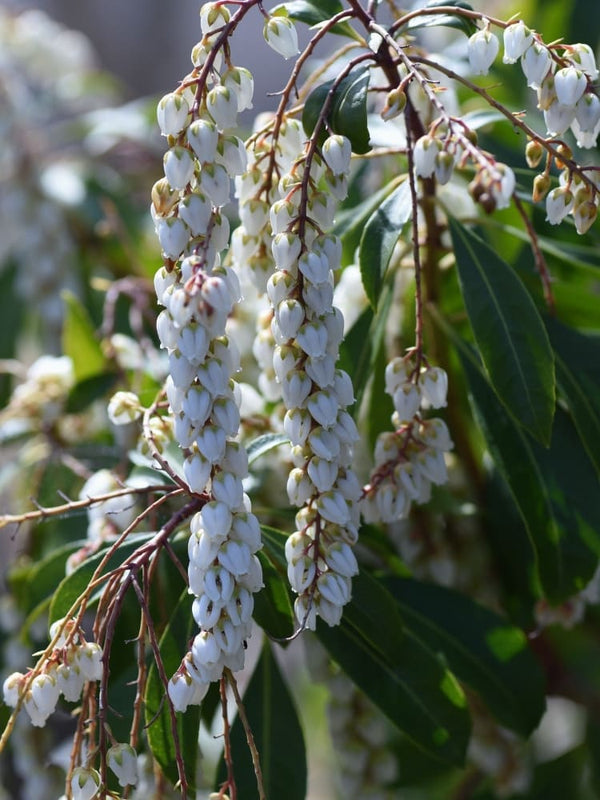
pixel 578 376
pixel 509 333
pixel 559 532
pixel 272 606
pixel 464 24
pixel 79 340
pixel 347 113
pixel 399 673
pixel 92 388
pixel 315 14
pixel 481 648
pixel 277 735
pixel 381 232
pixel 173 646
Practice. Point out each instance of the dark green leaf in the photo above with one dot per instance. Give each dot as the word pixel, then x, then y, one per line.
pixel 263 444
pixel 272 607
pixel 509 332
pixel 86 391
pixel 578 376
pixel 174 644
pixel 379 238
pixel 481 648
pixel 74 585
pixel 277 735
pixel 315 13
pixel 347 114
pixel 79 340
pixel 45 576
pixel 560 534
pixel 349 111
pixel 464 24
pixel 399 673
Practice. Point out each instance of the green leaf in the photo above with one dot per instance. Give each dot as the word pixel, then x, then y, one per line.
pixel 263 444
pixel 464 24
pixel 315 14
pixel 578 377
pixel 509 332
pixel 86 391
pixel 482 649
pixel 399 673
pixel 79 340
pixel 277 735
pixel 379 238
pixel 173 645
pixel 561 536
pixel 272 606
pixel 74 585
pixel 347 113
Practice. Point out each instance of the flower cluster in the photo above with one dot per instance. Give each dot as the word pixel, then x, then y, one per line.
pixel 307 330
pixel 198 294
pixel 72 662
pixel 409 459
pixel 562 77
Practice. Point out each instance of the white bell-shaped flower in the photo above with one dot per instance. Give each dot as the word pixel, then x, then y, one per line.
pixel 558 204
pixel 172 113
pixel 85 783
pixel 517 38
pixel 122 760
pixel 281 35
pixel 536 62
pixel 482 50
pixel 569 85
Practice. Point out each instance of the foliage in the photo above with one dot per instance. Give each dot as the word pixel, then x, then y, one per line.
pixel 336 424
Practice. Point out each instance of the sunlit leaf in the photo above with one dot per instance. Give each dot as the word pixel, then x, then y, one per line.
pixel 462 23
pixel 79 340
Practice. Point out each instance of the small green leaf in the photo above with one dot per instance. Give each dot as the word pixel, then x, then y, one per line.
pixel 481 648
pixel 398 672
pixel 509 332
pixel 379 238
pixel 173 645
pixel 263 444
pixel 464 24
pixel 79 340
pixel 277 734
pixel 347 113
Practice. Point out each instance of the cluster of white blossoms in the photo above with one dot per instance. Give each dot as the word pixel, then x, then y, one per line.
pixel 409 459
pixel 562 75
pixel 307 330
pixel 198 293
pixel 72 662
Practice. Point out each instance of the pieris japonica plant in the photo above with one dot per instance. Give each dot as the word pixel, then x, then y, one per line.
pixel 338 423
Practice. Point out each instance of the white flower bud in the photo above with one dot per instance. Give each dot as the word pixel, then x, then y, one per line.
pixel 280 34
pixel 424 155
pixel 314 266
pixel 334 588
pixel 172 113
pixel 536 62
pixel 341 559
pixel 213 16
pixel 295 388
pixel 216 520
pixel 178 163
pixel 124 407
pixel 407 400
pixel 195 210
pixel 558 204
pixel 583 56
pixel 214 182
pixel 89 660
pixel 434 386
pixel 122 760
pixel 173 236
pixel 587 112
pixel 240 81
pixel 322 473
pixel 569 85
pixel 228 489
pixel 196 471
pixel 85 783
pixel 483 48
pixel 325 444
pixel 203 137
pixel 222 105
pixel 312 338
pixel 211 443
pixel 337 152
pixel 323 406
pixel 11 688
pixel 235 557
pixel 286 249
pixel 333 507
pixel 231 153
pixel 70 681
pixel 517 38
pixel 444 166
pixel 558 118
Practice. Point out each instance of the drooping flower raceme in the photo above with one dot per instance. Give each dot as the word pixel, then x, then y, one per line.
pixel 198 294
pixel 409 459
pixel 308 329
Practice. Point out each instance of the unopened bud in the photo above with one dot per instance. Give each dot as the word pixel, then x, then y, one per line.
pixel 566 153
pixel 541 184
pixel 533 153
pixel 394 104
pixel 164 198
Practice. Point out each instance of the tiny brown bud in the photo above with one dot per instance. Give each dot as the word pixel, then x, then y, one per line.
pixel 487 202
pixel 541 184
pixel 163 197
pixel 533 153
pixel 471 136
pixel 566 153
